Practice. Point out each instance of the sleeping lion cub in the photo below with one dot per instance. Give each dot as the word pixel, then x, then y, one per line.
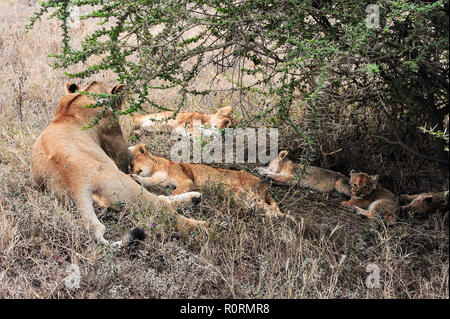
pixel 320 179
pixel 368 197
pixel 152 170
pixel 423 203
pixel 183 123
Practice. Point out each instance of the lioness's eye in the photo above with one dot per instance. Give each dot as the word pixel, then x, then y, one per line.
pixel 354 185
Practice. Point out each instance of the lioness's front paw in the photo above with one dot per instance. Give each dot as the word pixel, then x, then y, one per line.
pixel 196 197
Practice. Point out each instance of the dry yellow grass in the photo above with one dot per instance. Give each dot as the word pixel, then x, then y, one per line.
pixel 324 256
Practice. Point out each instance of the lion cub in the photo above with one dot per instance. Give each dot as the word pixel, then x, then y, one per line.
pixel 320 179
pixel 423 203
pixel 152 170
pixel 183 123
pixel 368 197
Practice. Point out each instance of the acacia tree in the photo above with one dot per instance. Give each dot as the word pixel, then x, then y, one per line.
pixel 312 52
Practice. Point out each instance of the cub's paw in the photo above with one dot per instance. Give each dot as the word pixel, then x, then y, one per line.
pixel 358 210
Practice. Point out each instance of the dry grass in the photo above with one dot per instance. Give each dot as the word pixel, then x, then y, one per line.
pixel 324 256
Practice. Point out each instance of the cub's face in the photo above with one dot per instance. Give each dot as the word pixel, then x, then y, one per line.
pixel 222 118
pixel 141 164
pixel 277 164
pixel 362 184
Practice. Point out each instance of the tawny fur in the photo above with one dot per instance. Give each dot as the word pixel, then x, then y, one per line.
pixel 183 123
pixel 152 170
pixel 284 171
pixel 370 198
pixel 423 203
pixel 68 160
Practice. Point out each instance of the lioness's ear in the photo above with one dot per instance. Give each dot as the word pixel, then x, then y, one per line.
pixel 72 87
pixel 117 88
pixel 352 172
pixel 224 111
pixel 282 155
pixel 374 178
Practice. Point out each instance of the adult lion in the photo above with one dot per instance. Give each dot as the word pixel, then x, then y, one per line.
pixel 69 160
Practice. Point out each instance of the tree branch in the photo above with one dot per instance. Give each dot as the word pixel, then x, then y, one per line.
pixel 411 150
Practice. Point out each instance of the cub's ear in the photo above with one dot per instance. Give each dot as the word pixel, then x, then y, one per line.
pixel 352 172
pixel 72 87
pixel 141 148
pixel 282 155
pixel 118 88
pixel 138 149
pixel 224 111
pixel 374 179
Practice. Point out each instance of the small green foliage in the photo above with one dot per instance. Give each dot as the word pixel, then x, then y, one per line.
pixel 438 134
pixel 316 52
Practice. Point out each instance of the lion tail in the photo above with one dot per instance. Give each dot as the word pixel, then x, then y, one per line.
pixel 134 237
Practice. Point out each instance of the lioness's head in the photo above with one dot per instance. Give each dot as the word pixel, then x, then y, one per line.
pixel 278 164
pixel 362 184
pixel 222 118
pixel 96 87
pixel 142 163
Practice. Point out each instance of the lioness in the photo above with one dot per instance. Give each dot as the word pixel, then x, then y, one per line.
pixel 184 123
pixel 69 160
pixel 368 197
pixel 423 203
pixel 152 170
pixel 322 180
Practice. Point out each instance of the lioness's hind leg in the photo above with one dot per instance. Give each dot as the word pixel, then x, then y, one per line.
pixel 124 189
pixel 103 202
pixel 83 200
